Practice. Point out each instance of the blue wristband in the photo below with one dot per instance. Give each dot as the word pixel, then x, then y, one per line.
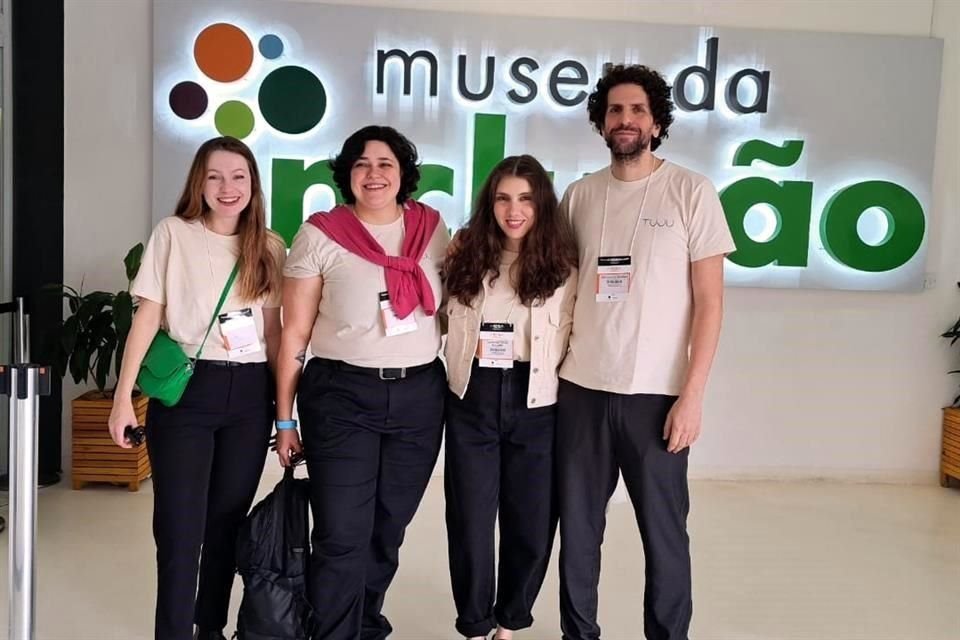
pixel 283 425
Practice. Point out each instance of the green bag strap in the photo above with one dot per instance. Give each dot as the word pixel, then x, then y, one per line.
pixel 216 312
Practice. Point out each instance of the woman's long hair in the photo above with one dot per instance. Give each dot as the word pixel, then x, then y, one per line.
pixel 260 271
pixel 547 253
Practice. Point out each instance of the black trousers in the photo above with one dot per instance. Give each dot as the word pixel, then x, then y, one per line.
pixel 598 433
pixel 499 455
pixel 207 454
pixel 370 446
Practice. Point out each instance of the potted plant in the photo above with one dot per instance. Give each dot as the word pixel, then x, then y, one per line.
pixel 89 345
pixel 950 448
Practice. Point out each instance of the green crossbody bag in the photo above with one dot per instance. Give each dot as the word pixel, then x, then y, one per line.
pixel 166 369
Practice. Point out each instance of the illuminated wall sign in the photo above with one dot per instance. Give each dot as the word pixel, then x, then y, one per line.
pixel 821 144
pixel 572 73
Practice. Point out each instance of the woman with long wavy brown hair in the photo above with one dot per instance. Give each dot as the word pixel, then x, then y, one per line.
pixel 207 451
pixel 511 279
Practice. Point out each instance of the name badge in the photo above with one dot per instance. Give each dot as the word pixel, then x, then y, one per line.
pixel 496 345
pixel 239 333
pixel 613 278
pixel 392 325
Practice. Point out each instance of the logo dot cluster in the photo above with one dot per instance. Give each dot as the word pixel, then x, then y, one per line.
pixel 291 98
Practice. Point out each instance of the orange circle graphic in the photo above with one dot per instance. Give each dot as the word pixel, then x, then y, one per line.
pixel 223 52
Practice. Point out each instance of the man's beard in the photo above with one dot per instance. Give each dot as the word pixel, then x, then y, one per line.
pixel 627 151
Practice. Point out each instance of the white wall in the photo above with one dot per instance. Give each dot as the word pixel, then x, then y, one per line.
pixel 807 383
pixel 108 132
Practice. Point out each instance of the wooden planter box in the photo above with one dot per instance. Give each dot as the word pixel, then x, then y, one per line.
pixel 950 450
pixel 96 457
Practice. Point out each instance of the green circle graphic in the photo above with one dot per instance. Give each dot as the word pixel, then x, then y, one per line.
pixel 234 118
pixel 292 99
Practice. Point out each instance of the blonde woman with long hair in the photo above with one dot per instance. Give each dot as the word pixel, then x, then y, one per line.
pixel 208 449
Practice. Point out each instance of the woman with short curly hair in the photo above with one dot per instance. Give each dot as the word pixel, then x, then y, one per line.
pixel 362 287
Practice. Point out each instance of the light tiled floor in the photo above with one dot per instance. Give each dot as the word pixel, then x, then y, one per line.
pixel 772 561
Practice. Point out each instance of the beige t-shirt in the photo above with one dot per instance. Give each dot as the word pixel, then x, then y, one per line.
pixel 348 325
pixel 502 305
pixel 641 344
pixel 185 268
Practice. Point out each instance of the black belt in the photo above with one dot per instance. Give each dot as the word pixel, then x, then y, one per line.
pixel 225 363
pixel 384 373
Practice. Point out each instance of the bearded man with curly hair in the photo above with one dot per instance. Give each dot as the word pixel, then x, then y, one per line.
pixel 651 239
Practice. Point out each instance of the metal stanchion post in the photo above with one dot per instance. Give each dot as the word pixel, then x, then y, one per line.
pixel 24 384
pixel 21 333
pixel 20 353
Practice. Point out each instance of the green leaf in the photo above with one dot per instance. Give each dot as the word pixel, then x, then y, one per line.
pixel 68 336
pixel 122 320
pixel 104 360
pixel 74 302
pixel 99 326
pixel 122 314
pixel 92 305
pixel 91 339
pixel 80 362
pixel 121 345
pixel 67 292
pixel 132 261
pixel 102 341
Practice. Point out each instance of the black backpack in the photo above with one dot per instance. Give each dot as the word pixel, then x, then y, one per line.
pixel 273 555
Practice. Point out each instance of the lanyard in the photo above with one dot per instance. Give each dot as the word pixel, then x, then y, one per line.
pixel 206 246
pixel 636 228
